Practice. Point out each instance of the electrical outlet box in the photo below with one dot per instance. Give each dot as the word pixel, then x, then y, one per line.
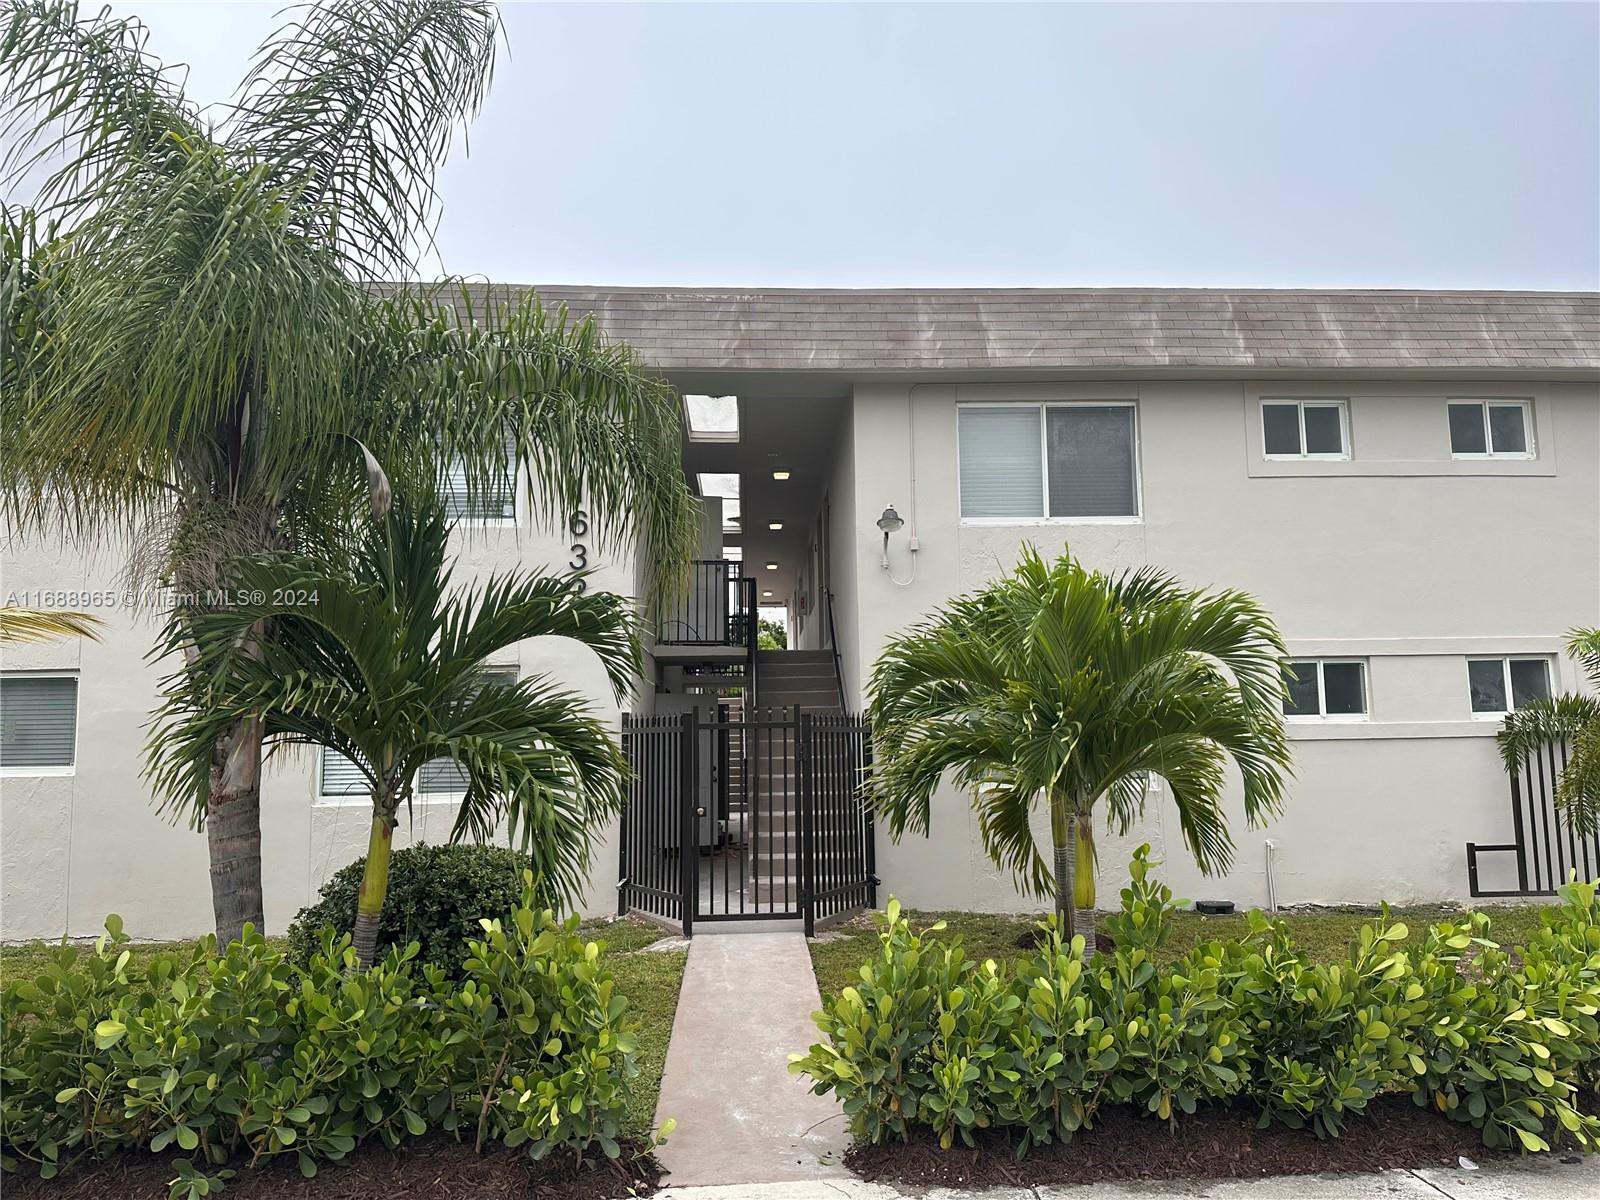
pixel 914 545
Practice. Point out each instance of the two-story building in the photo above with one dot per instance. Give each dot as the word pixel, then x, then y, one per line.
pixel 1409 481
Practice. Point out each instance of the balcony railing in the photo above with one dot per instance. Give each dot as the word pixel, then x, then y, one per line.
pixel 718 608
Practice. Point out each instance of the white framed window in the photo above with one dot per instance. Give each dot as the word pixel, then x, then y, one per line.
pixel 1305 429
pixel 1074 461
pixel 1490 428
pixel 1326 689
pixel 38 722
pixel 342 778
pixel 495 505
pixel 1497 686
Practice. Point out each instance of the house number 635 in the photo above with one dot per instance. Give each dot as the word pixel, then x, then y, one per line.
pixel 578 527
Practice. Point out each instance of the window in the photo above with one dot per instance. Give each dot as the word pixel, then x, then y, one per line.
pixel 1501 685
pixel 38 723
pixel 1304 429
pixel 341 777
pixel 444 776
pixel 1321 689
pixel 496 502
pixel 1491 429
pixel 1069 461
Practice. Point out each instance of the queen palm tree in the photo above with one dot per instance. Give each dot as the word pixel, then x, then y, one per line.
pixel 377 656
pixel 198 364
pixel 1573 718
pixel 1063 687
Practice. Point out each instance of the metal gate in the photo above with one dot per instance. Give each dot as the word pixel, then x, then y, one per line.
pixel 746 816
pixel 1545 846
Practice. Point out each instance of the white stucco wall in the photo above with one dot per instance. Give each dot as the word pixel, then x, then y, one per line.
pixel 1401 556
pixel 76 846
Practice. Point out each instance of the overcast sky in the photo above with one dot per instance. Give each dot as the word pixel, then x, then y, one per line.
pixel 1344 145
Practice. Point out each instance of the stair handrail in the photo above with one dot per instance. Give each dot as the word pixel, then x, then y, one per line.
pixel 833 643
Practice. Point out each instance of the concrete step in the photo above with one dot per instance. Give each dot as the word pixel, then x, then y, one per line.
pixel 763 657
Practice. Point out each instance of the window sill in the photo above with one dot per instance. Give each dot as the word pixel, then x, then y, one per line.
pixel 37 772
pixel 1355 731
pixel 1353 468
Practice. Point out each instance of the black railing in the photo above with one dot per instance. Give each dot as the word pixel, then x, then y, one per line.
pixel 798 845
pixel 833 644
pixel 718 608
pixel 1545 847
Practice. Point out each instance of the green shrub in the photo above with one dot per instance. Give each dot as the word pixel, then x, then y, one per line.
pixel 437 894
pixel 1326 1038
pixel 929 1039
pixel 1507 1049
pixel 243 1057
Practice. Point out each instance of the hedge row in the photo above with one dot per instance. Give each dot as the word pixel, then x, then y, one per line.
pixel 244 1056
pixel 1504 1042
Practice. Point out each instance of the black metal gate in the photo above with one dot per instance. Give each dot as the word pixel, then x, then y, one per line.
pixel 746 816
pixel 1545 846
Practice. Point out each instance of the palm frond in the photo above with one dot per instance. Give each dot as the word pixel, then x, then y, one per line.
pixel 462 375
pixel 18 625
pixel 354 105
pixel 1584 646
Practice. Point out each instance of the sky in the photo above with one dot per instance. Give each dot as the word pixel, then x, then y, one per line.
pixel 920 145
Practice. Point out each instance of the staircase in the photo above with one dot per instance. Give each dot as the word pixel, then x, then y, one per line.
pixel 785 679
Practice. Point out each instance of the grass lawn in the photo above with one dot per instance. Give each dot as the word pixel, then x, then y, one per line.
pixel 1323 932
pixel 649 980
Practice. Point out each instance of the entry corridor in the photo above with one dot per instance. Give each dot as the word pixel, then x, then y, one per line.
pixel 745 1006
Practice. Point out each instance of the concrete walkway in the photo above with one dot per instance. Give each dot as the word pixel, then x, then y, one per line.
pixel 745 1006
pixel 1541 1178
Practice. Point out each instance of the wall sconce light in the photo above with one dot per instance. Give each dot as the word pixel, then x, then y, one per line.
pixel 890 522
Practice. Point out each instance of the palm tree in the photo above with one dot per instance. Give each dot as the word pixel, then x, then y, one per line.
pixel 1066 687
pixel 19 625
pixel 198 364
pixel 1573 718
pixel 378 657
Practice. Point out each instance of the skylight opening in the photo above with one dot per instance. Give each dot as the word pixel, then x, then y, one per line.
pixel 712 418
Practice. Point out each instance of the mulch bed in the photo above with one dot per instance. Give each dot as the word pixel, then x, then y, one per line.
pixel 437 1168
pixel 1212 1144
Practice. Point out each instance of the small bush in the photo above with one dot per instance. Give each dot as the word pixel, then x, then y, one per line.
pixel 243 1057
pixel 437 894
pixel 929 1039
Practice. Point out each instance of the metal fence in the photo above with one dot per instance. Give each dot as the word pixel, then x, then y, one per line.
pixel 747 816
pixel 718 608
pixel 1545 846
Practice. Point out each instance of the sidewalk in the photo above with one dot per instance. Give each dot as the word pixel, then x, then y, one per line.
pixel 743 1120
pixel 1542 1178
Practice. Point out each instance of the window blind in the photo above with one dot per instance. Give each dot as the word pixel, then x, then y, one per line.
pixel 496 502
pixel 38 720
pixel 1001 471
pixel 341 777
pixel 1091 461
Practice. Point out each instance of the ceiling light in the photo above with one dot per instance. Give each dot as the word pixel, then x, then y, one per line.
pixel 774 525
pixel 780 475
pixel 772 566
pixel 767 593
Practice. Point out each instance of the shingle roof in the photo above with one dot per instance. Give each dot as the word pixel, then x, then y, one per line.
pixel 762 329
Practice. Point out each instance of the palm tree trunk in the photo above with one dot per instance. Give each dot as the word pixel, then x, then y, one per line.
pixel 1063 822
pixel 374 886
pixel 233 831
pixel 1083 881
